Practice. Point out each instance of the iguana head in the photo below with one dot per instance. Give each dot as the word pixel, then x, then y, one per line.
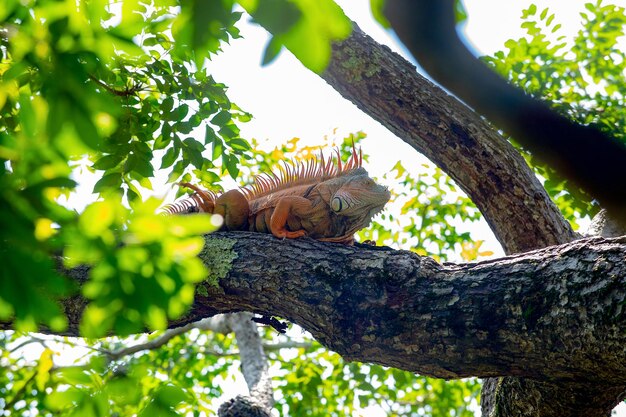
pixel 358 198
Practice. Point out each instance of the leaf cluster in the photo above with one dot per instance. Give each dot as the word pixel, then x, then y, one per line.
pixel 116 86
pixel 582 78
pixel 181 378
pixel 321 383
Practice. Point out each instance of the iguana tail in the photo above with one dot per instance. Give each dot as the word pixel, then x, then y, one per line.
pixel 232 206
pixel 201 201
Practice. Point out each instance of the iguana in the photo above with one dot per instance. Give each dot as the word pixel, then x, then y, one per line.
pixel 326 200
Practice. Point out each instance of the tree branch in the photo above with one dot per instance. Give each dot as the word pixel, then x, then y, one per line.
pixel 204 324
pixel 492 173
pixel 554 314
pixel 253 359
pixel 255 370
pixel 582 154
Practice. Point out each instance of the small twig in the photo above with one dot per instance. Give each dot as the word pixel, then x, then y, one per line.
pixel 126 92
pixel 287 345
pixel 25 343
pixel 168 335
pixel 280 327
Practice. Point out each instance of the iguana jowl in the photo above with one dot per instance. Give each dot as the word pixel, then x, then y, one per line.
pixel 325 200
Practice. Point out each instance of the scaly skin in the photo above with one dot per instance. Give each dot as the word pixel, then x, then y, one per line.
pixel 325 201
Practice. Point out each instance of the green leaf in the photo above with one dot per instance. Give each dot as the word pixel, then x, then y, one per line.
pixel 108 162
pixel 74 375
pixel 167 104
pixel 307 29
pixel 108 182
pixel 377 7
pixel 170 157
pixel 62 400
pixel 86 129
pixel 194 152
pixel 272 49
pixel 239 144
pixel 209 135
pixel 124 390
pixel 171 395
pixel 459 12
pixel 27 116
pixel 231 162
pixel 221 118
pixel 165 138
pixel 218 148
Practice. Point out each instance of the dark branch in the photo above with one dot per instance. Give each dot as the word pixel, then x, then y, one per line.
pixel 583 154
pixel 555 313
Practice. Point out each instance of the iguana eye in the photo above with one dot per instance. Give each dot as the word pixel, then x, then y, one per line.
pixel 336 204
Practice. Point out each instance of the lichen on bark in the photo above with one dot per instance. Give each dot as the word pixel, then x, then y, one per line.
pixel 218 256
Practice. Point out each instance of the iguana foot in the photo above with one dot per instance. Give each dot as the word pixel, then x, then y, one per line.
pixel 289 235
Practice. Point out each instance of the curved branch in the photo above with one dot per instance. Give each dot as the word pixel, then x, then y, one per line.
pixel 583 154
pixel 492 173
pixel 555 313
pixel 161 340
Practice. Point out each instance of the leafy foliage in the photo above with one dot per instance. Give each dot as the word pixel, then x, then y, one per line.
pixel 175 380
pixel 129 92
pixel 583 78
pixel 327 385
pixel 119 86
pixel 306 27
pixel 140 277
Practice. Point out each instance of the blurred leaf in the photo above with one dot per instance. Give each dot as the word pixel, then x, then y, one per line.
pixel 43 369
pixel 377 7
pixel 307 28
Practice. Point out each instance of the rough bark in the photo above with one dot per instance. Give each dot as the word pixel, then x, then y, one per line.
pixel 492 173
pixel 555 314
pixel 524 397
pixel 604 225
pixel 473 153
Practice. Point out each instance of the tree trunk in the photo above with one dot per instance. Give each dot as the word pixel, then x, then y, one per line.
pixel 255 370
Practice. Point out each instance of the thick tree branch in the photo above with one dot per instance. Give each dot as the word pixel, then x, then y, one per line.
pixel 583 154
pixel 492 173
pixel 553 314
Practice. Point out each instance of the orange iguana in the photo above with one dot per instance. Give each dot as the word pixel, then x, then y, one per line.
pixel 321 199
pixel 324 200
